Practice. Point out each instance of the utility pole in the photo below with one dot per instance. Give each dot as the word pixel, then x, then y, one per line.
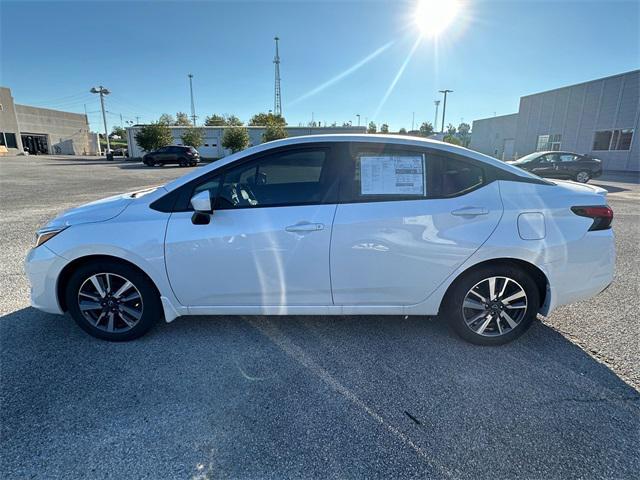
pixel 103 91
pixel 444 107
pixel 121 122
pixel 137 120
pixel 277 97
pixel 435 120
pixel 413 120
pixel 193 106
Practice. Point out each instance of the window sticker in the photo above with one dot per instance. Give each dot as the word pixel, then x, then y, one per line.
pixel 392 175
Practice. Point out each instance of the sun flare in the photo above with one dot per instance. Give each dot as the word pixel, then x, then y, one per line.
pixel 434 16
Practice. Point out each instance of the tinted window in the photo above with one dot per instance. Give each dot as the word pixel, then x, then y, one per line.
pixel 567 157
pixel 457 177
pixel 378 172
pixel 287 178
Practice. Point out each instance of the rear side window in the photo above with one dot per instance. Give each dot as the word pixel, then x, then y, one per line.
pixel 456 177
pixel 378 172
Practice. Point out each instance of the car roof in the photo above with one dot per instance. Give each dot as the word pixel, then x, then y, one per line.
pixel 345 137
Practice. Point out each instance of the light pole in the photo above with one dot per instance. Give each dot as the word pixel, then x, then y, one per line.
pixel 435 119
pixel 193 107
pixel 358 115
pixel 444 107
pixel 103 91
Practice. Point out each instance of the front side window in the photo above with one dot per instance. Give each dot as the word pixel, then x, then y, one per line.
pixel 567 157
pixel 280 179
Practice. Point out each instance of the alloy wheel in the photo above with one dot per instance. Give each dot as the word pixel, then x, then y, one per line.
pixel 582 177
pixel 494 306
pixel 110 302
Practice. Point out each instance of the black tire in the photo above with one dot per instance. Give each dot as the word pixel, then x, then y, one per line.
pixel 458 316
pixel 150 305
pixel 583 176
pixel 183 162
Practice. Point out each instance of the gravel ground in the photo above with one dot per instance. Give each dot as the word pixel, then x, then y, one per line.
pixel 307 397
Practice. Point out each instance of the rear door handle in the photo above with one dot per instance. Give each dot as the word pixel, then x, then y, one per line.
pixel 470 212
pixel 305 227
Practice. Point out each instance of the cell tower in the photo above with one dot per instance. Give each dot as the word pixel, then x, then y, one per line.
pixel 277 98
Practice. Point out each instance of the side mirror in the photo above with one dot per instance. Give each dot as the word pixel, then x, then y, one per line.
pixel 201 202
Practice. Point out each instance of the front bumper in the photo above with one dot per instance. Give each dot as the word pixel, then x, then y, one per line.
pixel 43 268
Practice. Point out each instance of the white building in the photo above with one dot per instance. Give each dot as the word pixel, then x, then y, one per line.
pixel 212 145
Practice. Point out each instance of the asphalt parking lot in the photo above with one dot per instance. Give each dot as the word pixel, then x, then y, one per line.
pixel 307 397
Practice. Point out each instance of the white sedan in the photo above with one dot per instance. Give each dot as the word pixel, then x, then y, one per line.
pixel 331 225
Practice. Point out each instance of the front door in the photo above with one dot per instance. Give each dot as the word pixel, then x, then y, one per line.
pixel 267 242
pixel 406 221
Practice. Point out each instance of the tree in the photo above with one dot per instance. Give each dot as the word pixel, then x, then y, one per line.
pixel 274 132
pixel 153 136
pixel 372 128
pixel 182 120
pixel 464 134
pixel 426 129
pixel 235 138
pixel 193 137
pixel 264 119
pixel 452 139
pixel 234 121
pixel 451 130
pixel 118 131
pixel 384 128
pixel 402 131
pixel 215 121
pixel 166 119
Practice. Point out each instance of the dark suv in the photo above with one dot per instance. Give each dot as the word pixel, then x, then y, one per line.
pixel 561 165
pixel 178 154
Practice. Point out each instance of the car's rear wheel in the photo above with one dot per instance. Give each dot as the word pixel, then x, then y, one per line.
pixel 112 301
pixel 583 176
pixel 492 305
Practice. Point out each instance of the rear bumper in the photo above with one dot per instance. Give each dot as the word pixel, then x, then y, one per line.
pixel 587 270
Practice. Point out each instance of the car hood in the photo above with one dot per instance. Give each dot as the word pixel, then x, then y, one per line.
pixel 99 210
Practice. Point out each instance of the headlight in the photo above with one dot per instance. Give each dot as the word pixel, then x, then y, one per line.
pixel 45 234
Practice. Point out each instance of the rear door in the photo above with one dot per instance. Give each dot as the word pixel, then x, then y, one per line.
pixel 407 218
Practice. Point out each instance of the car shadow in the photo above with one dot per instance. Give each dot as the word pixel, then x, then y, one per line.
pixel 312 397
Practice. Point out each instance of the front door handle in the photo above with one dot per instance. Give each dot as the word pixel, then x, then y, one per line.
pixel 305 227
pixel 470 211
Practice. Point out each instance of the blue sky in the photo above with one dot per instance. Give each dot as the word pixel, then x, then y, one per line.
pixel 53 52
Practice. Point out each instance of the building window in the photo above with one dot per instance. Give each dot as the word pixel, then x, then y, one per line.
pixel 2 142
pixel 619 139
pixel 549 142
pixel 10 140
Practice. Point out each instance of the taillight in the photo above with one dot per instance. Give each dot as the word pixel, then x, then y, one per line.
pixel 602 215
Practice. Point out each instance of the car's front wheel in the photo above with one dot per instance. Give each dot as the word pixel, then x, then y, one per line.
pixel 492 305
pixel 112 301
